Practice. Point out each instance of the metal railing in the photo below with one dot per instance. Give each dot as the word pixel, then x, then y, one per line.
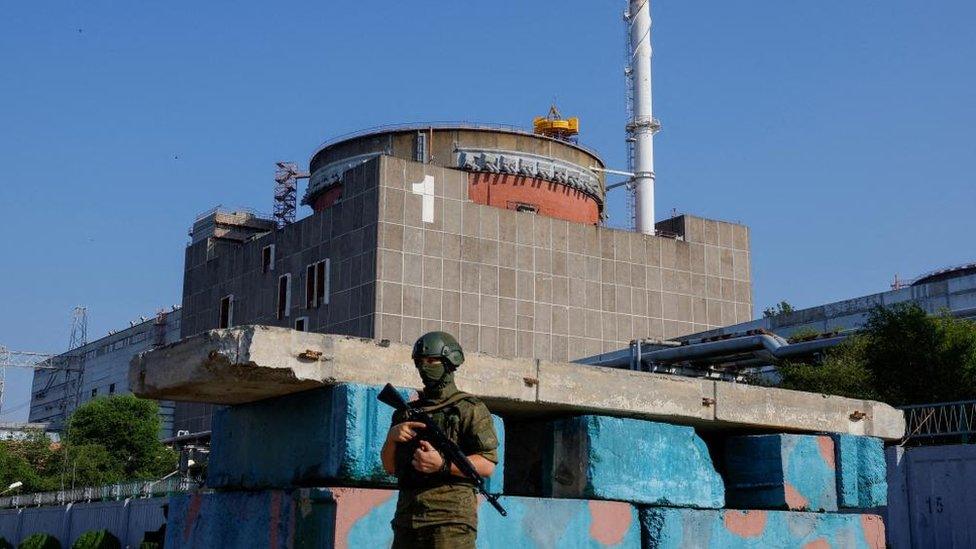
pixel 439 125
pixel 942 419
pixel 112 492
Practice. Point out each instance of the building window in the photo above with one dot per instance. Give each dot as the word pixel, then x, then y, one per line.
pixel 317 284
pixel 94 392
pixel 268 258
pixel 226 319
pixel 301 324
pixel 310 301
pixel 322 270
pixel 284 296
pixel 111 389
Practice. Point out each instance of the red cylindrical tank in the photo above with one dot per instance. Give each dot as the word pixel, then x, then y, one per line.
pixel 507 168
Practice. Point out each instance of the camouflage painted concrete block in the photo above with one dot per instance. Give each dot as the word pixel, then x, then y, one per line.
pixel 638 461
pixel 667 528
pixel 357 517
pixel 794 472
pixel 861 472
pixel 314 438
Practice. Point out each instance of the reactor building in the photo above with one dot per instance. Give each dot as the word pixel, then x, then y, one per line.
pixel 491 233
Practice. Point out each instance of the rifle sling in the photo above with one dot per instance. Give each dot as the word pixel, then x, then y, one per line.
pixel 449 401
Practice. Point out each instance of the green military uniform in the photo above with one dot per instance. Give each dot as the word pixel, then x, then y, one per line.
pixel 439 509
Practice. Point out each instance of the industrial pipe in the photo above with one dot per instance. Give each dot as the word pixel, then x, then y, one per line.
pixel 643 126
pixel 769 348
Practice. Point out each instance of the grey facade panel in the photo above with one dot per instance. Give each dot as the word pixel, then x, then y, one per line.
pixel 106 371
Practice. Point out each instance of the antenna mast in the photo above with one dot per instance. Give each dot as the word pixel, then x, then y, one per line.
pixel 74 366
pixel 286 192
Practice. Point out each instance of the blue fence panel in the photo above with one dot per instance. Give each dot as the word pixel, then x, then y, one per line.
pixel 145 515
pixel 104 515
pixel 46 520
pixel 9 524
pixel 127 519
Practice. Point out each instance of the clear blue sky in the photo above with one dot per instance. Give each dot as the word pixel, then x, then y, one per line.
pixel 840 132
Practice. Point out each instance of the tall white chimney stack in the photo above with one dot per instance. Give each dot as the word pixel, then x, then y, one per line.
pixel 642 128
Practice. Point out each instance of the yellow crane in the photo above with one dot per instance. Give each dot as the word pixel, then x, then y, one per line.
pixel 555 126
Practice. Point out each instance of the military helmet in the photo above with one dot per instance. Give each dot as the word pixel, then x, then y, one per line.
pixel 439 345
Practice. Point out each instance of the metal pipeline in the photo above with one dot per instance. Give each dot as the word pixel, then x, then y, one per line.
pixel 763 347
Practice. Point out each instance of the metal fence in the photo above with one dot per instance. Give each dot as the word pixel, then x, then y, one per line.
pixel 111 492
pixel 944 419
pixel 128 520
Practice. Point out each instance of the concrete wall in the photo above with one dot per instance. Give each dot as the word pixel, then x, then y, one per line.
pixel 315 438
pixel 795 472
pixel 861 474
pixel 354 517
pixel 127 520
pixel 521 284
pixel 645 462
pixel 345 234
pixel 106 364
pixel 731 529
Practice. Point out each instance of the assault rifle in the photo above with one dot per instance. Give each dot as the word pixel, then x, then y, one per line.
pixel 436 437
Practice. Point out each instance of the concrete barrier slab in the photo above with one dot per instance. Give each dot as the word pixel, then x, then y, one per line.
pixel 861 473
pixel 794 472
pixel 599 457
pixel 356 517
pixel 251 363
pixel 798 411
pixel 664 528
pixel 329 435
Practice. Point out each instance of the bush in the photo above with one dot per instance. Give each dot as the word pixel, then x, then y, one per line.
pixel 97 539
pixel 40 541
pixel 903 356
pixel 127 427
pixel 842 372
pixel 4 544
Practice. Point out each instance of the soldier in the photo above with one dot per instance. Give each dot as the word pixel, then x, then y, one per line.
pixel 438 506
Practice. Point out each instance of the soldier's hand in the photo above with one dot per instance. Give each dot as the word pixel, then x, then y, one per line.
pixel 403 432
pixel 427 459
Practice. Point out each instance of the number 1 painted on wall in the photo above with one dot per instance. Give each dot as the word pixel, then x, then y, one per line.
pixel 426 190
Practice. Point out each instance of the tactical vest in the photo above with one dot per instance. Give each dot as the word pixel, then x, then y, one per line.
pixel 447 416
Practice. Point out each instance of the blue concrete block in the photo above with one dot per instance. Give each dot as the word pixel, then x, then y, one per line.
pixel 794 472
pixel 861 473
pixel 598 457
pixel 667 528
pixel 314 438
pixel 358 517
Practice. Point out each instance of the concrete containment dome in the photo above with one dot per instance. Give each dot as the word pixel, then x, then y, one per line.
pixel 507 167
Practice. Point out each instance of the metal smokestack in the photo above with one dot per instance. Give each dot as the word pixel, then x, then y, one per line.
pixel 643 126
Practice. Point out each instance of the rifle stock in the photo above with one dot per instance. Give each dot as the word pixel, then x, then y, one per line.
pixel 448 448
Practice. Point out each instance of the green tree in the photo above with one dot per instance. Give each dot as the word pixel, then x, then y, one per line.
pixel 14 468
pixel 841 372
pixel 93 465
pixel 916 358
pixel 903 356
pixel 781 308
pixel 127 427
pixel 34 461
